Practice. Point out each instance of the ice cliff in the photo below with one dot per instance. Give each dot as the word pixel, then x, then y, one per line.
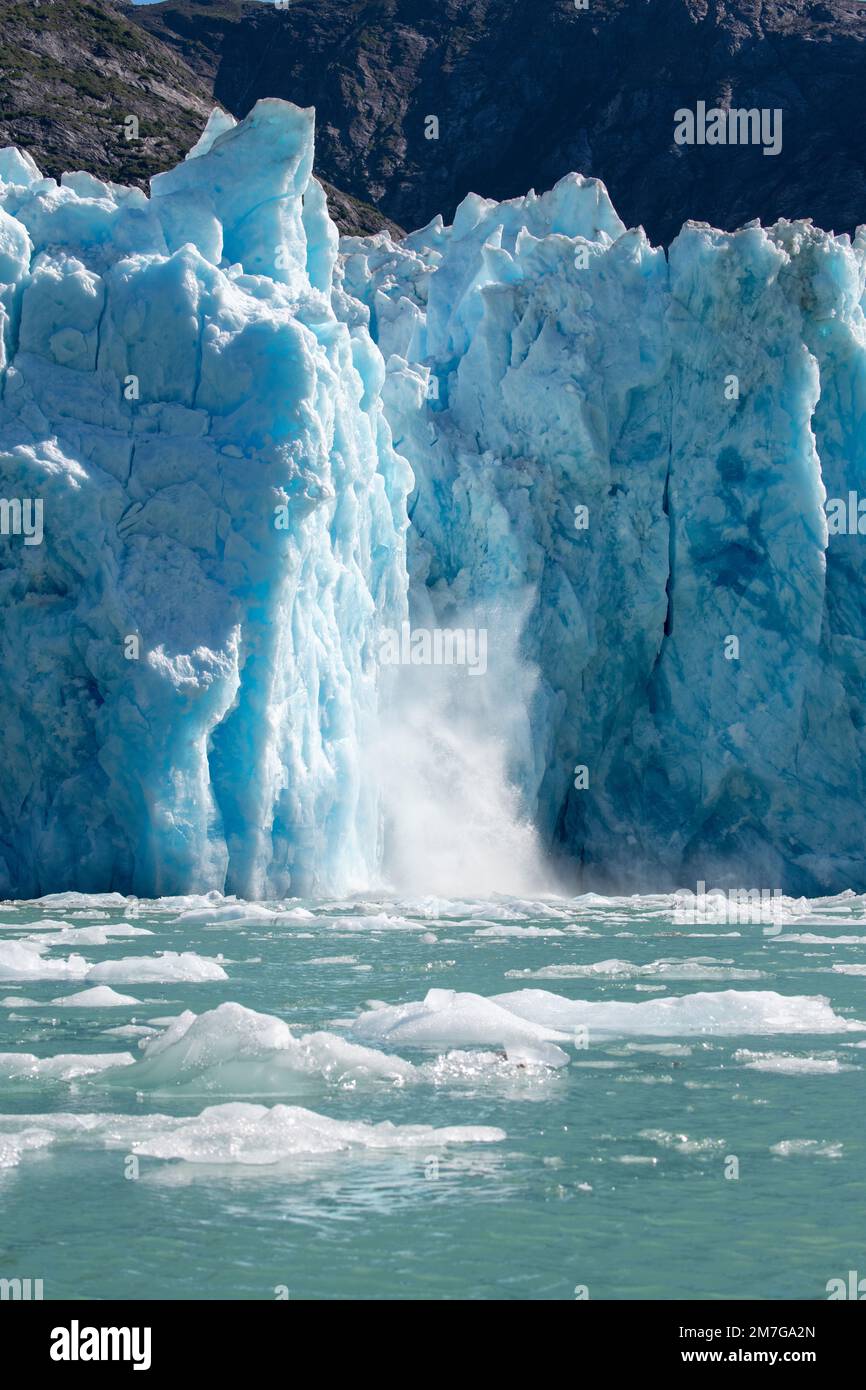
pixel 622 464
pixel 640 454
pixel 189 667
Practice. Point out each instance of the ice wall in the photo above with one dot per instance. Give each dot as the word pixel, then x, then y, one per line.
pixel 189 668
pixel 699 634
pixel 624 466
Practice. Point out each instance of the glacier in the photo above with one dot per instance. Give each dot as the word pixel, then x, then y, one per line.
pixel 259 450
pixel 189 665
pixel 639 452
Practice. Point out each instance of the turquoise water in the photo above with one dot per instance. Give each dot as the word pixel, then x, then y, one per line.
pixel 608 1172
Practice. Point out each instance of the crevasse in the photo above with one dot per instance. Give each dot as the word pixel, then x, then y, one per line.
pixel 621 462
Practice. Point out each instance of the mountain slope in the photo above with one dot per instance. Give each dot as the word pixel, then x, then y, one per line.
pixel 528 90
pixel 72 72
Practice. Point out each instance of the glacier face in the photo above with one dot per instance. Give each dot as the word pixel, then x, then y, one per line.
pixel 698 633
pixel 621 463
pixel 189 671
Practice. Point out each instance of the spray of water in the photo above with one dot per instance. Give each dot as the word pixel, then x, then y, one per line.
pixel 455 822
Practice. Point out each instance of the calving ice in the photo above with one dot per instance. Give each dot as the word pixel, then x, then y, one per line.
pixel 729 126
pixel 440 646
pixel 77 1343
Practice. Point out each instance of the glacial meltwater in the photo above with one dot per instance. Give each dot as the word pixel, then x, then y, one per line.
pixel 522 1099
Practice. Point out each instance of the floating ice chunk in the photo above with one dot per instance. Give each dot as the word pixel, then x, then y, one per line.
pixel 92 936
pixel 229 914
pixel 525 1071
pixel 332 960
pixel 700 968
pixel 681 1143
pixel 235 1133
pixel 787 1064
pixel 809 938
pixel 46 924
pixel 723 1013
pixel 806 1148
pixel 163 968
pixel 25 960
pixel 84 900
pixel 14 1146
pixel 24 1066
pixel 380 921
pixel 536 1054
pixel 512 929
pixel 253 1134
pixel 130 1030
pixel 237 1051
pixel 99 997
pixel 446 1018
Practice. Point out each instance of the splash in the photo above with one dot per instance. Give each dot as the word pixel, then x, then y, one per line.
pixel 455 823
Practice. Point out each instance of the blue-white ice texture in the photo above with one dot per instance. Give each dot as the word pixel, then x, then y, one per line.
pixel 229 754
pixel 541 357
pixel 535 357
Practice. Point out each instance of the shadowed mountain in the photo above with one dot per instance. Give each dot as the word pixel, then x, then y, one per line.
pixel 527 90
pixel 72 71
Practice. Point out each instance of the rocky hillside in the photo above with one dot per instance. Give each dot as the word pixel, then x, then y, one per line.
pixel 523 91
pixel 72 71
pixel 526 90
